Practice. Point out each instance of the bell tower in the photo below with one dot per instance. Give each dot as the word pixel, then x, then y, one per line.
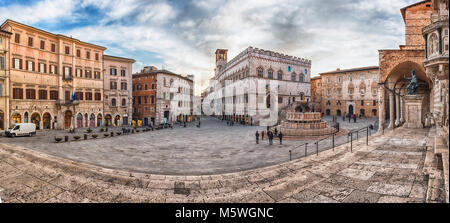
pixel 221 59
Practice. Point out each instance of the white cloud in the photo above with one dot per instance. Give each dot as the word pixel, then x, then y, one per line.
pixel 43 11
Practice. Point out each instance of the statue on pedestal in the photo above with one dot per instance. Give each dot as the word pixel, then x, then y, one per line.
pixel 413 85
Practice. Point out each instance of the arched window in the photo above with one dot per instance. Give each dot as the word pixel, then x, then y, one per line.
pixel 260 72
pixel 301 78
pixel 113 102
pixel 152 99
pixel 293 77
pixel 146 87
pixel 280 75
pixel 270 74
pixel 124 102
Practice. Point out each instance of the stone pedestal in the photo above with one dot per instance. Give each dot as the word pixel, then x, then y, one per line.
pixel 413 111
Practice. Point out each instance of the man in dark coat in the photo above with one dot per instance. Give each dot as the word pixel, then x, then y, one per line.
pixel 257 137
pixel 280 135
pixel 270 136
pixel 276 132
pixel 262 135
pixel 354 118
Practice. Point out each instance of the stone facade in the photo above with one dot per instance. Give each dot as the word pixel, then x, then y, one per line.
pixel 350 91
pixel 396 67
pixel 117 90
pixel 292 73
pixel 316 94
pixel 160 96
pixel 54 81
pixel 4 79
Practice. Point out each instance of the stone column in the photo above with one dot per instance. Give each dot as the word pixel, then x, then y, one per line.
pixel 402 119
pixel 391 110
pixel 397 104
pixel 381 112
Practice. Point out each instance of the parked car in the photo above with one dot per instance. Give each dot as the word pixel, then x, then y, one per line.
pixel 21 129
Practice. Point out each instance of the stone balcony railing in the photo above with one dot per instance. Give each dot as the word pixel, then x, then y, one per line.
pixel 60 102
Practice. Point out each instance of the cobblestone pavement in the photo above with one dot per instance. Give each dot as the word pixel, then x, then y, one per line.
pixel 389 169
pixel 214 148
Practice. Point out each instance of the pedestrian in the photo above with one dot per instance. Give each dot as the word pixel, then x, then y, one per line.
pixel 280 135
pixel 276 132
pixel 257 137
pixel 354 118
pixel 262 135
pixel 349 118
pixel 270 136
pixel 343 117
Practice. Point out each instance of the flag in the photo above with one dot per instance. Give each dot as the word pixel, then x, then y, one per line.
pixel 74 97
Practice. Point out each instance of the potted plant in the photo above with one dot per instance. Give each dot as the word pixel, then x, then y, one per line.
pixel 89 130
pixel 106 134
pixel 76 138
pixel 118 133
pixel 94 136
pixel 58 139
pixel 102 130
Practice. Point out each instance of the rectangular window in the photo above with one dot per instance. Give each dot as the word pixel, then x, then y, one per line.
pixel 2 63
pixel 79 96
pixel 374 91
pixel 145 99
pixel 328 80
pixel 17 38
pixel 113 71
pixel 113 85
pixel 53 47
pixel 89 96
pixel 339 79
pixel 67 96
pixel 350 91
pixel 31 94
pixel 54 95
pixel 78 53
pixel 53 69
pixel 42 44
pixel 88 74
pixel 362 78
pixel 139 100
pixel 97 74
pixel 67 71
pixel 362 102
pixel 123 86
pixel 67 50
pixel 122 73
pixel 78 72
pixel 30 65
pixel 328 92
pixel 42 67
pixel 30 41
pixel 96 56
pixel 42 94
pixel 98 96
pixel 17 93
pixel 374 102
pixel 88 55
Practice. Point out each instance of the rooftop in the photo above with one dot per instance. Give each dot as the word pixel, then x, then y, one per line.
pixel 338 71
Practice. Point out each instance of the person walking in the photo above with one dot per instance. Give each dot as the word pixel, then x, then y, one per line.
pixel 280 135
pixel 257 137
pixel 270 136
pixel 262 135
pixel 349 117
pixel 354 118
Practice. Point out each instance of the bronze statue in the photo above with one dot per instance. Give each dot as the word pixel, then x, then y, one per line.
pixel 413 84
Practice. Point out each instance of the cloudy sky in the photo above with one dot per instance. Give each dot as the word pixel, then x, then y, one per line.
pixel 183 35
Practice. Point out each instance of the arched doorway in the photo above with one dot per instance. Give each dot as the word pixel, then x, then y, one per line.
pixel 2 120
pixel 362 112
pixel 16 118
pixel 99 120
pixel 46 120
pixel 117 120
pixel 86 120
pixel 328 112
pixel 108 120
pixel 79 120
pixel 350 110
pixel 338 112
pixel 67 119
pixel 92 121
pixel 145 121
pixel 25 117
pixel 36 119
pixel 125 120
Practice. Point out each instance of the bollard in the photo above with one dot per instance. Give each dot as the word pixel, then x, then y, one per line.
pixel 66 138
pixel 306 148
pixel 290 155
pixel 333 142
pixel 351 141
pixel 85 136
pixel 367 137
pixel 357 135
pixel 317 148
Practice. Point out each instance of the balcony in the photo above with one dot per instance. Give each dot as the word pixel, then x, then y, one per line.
pixel 67 78
pixel 60 102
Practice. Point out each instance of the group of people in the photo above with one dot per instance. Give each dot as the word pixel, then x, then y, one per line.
pixel 270 135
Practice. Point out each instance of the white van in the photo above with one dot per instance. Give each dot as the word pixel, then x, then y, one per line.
pixel 21 129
